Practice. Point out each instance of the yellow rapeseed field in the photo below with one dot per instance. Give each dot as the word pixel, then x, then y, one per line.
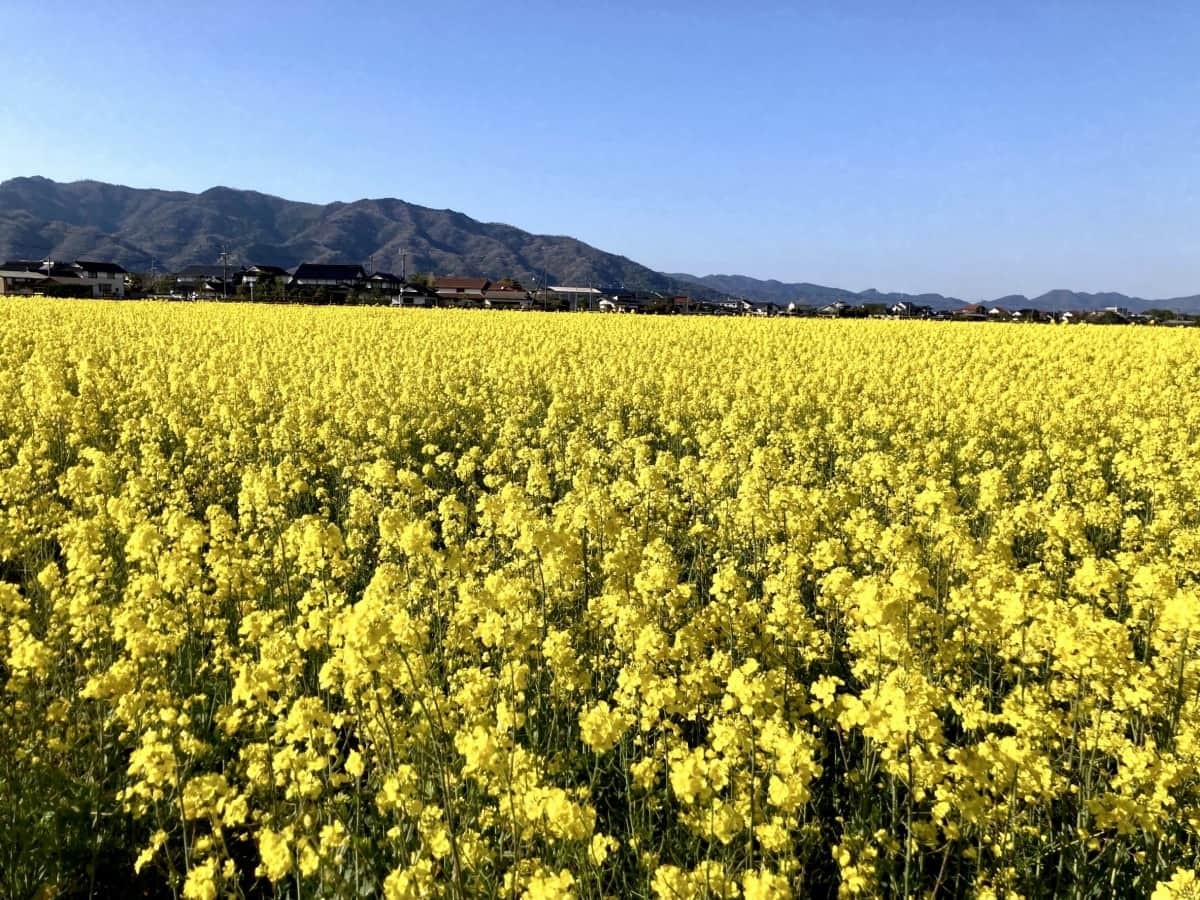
pixel 361 602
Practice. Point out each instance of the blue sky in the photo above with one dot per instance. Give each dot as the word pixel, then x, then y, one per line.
pixel 970 148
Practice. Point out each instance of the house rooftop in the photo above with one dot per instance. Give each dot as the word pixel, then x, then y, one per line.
pixel 202 272
pixel 61 270
pixel 461 284
pixel 329 272
pixel 107 267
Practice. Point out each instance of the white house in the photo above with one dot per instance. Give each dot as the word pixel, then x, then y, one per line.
pixel 574 297
pixel 106 279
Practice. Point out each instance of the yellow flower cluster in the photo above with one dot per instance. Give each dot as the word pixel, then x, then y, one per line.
pixel 353 602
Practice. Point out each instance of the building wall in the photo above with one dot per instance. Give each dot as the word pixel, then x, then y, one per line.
pixel 110 284
pixel 10 285
pixel 105 284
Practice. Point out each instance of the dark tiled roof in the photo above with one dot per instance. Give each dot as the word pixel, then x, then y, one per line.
pixel 90 266
pixel 323 272
pixel 268 270
pixel 202 272
pixel 461 284
pixel 62 270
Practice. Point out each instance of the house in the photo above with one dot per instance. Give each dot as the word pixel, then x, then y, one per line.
pixel 833 310
pixel 999 313
pixel 384 285
pixel 384 281
pixel 204 281
pixel 1029 314
pixel 414 295
pixel 461 291
pixel 573 297
pixel 971 311
pixel 107 279
pixel 191 275
pixel 81 278
pixel 323 275
pixel 725 307
pixel 20 281
pixel 270 282
pixel 507 296
pixel 255 274
pixel 622 300
pixel 327 282
pixel 906 309
pixel 398 293
pixel 64 280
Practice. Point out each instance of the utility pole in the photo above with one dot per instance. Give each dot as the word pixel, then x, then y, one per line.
pixel 404 265
pixel 224 272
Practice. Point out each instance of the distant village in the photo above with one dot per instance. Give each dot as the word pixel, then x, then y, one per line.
pixel 335 284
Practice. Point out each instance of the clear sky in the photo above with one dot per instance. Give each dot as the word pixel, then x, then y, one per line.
pixel 969 148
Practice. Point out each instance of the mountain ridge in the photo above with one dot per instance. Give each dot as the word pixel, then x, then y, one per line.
pixel 142 228
pixel 775 291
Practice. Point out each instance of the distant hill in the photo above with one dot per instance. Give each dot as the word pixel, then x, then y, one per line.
pixel 1063 299
pixel 771 291
pixel 779 292
pixel 173 229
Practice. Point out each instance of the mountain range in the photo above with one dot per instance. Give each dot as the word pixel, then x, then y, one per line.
pixel 816 295
pixel 168 230
pixel 144 229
